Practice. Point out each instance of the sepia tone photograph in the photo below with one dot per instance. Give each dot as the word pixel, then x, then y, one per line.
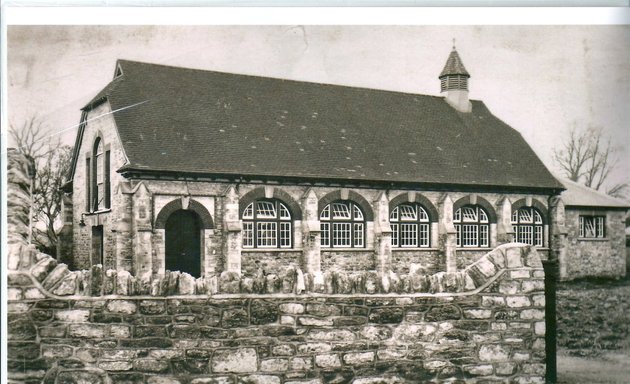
pixel 314 204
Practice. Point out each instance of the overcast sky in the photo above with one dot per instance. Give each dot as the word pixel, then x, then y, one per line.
pixel 542 80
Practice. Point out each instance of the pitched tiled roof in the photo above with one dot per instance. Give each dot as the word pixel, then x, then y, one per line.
pixel 454 65
pixel 207 122
pixel 582 196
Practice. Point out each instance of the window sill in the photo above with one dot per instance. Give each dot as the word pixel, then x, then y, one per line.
pixel 593 239
pixel 403 249
pixel 267 250
pixel 97 212
pixel 346 249
pixel 484 249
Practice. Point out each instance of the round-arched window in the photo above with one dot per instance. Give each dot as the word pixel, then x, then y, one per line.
pixel 267 223
pixel 342 225
pixel 473 226
pixel 410 225
pixel 528 226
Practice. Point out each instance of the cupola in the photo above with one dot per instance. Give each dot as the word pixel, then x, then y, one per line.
pixel 454 81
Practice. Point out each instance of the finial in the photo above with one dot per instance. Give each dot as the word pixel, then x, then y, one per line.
pixel 453 44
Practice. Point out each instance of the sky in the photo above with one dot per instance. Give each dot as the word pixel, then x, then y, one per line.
pixel 541 80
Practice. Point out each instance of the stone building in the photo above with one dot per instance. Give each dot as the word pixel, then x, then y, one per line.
pixel 595 234
pixel 205 172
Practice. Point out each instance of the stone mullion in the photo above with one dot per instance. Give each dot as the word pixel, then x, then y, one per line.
pixel 505 231
pixel 447 238
pixel 311 245
pixel 233 227
pixel 383 234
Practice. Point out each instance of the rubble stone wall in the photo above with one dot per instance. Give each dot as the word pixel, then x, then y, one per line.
pixel 482 324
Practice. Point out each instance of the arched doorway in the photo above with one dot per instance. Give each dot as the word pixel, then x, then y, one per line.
pixel 183 242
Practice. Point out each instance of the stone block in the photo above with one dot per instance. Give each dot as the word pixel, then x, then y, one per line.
pixel 120 365
pixel 56 275
pixel 505 369
pixel 274 365
pixel 520 274
pixel 375 333
pixel 538 300
pixel 486 267
pixel 412 333
pixel 388 315
pixel 311 381
pixel 539 328
pixel 534 369
pixel 327 361
pixel 213 380
pixel 358 358
pixel 310 348
pixel 263 312
pixel 314 321
pixel 68 285
pixel 89 331
pixel 126 307
pixel 292 308
pixel 509 287
pixel 494 352
pixel 513 257
pixel 162 380
pixel 150 365
pixel 331 335
pixel 532 314
pixel 235 317
pixel 120 331
pixel 301 364
pixel 493 301
pixel 532 286
pixel 56 351
pixel 518 301
pixel 259 379
pixel 442 313
pixel 43 268
pixel 14 294
pixel 323 309
pixel 498 258
pixel 123 283
pixel 73 316
pixel 186 284
pixel 479 370
pixel 477 313
pixel 528 380
pixel 152 307
pixel 287 320
pixel 234 360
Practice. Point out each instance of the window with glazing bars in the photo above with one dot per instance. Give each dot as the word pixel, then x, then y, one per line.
pixel 267 224
pixel 342 225
pixel 410 226
pixel 593 227
pixel 527 224
pixel 473 226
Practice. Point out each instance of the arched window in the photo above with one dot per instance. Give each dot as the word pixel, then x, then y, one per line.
pixel 97 177
pixel 267 224
pixel 342 225
pixel 528 226
pixel 473 226
pixel 410 226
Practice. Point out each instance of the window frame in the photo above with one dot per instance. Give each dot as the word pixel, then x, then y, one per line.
pixel 479 229
pixel 98 163
pixel 257 224
pixel 519 226
pixel 332 228
pixel 398 224
pixel 597 219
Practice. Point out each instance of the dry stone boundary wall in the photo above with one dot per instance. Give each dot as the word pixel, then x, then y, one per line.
pixel 482 324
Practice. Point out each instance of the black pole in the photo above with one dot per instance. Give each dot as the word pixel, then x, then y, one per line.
pixel 550 267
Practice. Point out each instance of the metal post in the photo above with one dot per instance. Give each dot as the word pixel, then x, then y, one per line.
pixel 550 267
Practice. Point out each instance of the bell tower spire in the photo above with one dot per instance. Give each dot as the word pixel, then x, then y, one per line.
pixel 454 81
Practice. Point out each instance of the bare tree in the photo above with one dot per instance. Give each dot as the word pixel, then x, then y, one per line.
pixel 51 161
pixel 589 157
pixel 47 196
